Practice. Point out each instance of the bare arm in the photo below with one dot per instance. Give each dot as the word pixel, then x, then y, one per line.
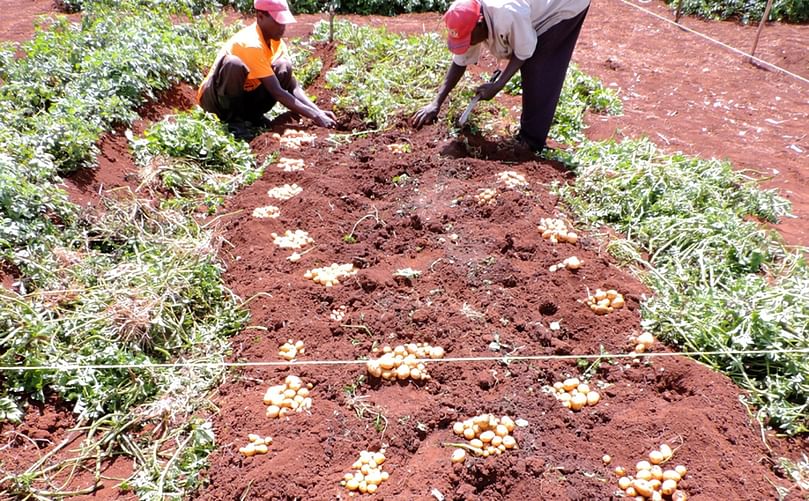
pixel 430 112
pixel 296 101
pixel 489 90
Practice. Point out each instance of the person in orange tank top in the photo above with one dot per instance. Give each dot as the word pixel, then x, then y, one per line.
pixel 253 71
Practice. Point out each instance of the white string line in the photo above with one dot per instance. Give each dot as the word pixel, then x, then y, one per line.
pixel 298 363
pixel 733 49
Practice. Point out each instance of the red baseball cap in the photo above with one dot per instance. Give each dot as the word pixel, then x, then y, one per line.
pixel 278 9
pixel 461 19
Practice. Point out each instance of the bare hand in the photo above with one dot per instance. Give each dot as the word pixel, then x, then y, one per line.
pixel 426 115
pixel 488 90
pixel 326 119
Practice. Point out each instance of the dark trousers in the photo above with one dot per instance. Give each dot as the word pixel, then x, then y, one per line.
pixel 543 75
pixel 224 95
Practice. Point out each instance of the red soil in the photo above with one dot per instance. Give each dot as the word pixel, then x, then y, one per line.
pixel 498 265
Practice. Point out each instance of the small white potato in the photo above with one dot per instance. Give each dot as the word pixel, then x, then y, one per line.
pixel 476 442
pixel 508 423
pixel 487 436
pixel 643 465
pixel 509 442
pixel 671 475
pixel 668 487
pixel 458 428
pixel 593 397
pixel 458 456
pixel 642 487
pixel 656 457
pixel 648 339
pixel 570 383
pixel 578 401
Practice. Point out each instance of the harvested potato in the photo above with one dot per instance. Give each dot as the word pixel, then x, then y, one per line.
pixel 603 302
pixel 291 349
pixel 331 275
pixel 399 148
pixel 643 342
pixel 651 481
pixel 487 435
pixel 291 164
pixel 282 399
pixel 292 239
pixel 486 196
pixel 294 139
pixel 369 473
pixel 570 263
pixel 266 212
pixel 512 179
pixel 401 362
pixel 256 445
pixel 284 192
pixel 556 230
pixel 574 394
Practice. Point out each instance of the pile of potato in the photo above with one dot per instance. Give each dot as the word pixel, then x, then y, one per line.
pixel 292 239
pixel 512 179
pixel 399 148
pixel 282 399
pixel 486 196
pixel 574 394
pixel 369 475
pixel 267 212
pixel 330 275
pixel 291 349
pixel 570 263
pixel 338 314
pixel 290 164
pixel 294 139
pixel 642 342
pixel 284 192
pixel 603 302
pixel 556 230
pixel 487 436
pixel 651 481
pixel 256 445
pixel 401 362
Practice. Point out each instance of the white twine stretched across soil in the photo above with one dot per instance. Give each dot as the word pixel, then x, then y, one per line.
pixel 722 44
pixel 501 358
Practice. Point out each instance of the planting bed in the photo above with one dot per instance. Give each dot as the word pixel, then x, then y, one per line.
pixel 483 289
pixel 484 284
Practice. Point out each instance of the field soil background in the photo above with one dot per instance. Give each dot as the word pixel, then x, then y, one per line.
pixel 484 284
